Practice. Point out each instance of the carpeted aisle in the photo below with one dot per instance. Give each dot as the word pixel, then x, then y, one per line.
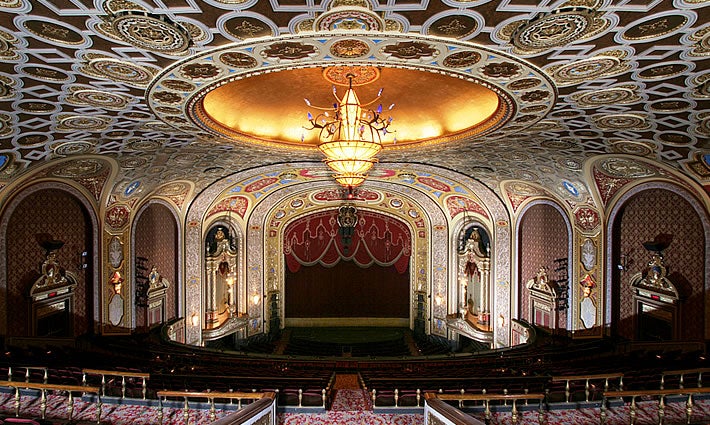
pixel 351 406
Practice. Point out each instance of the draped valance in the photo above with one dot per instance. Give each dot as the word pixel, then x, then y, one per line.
pixel 377 238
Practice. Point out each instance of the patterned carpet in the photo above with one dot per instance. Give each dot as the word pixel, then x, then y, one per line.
pixel 342 413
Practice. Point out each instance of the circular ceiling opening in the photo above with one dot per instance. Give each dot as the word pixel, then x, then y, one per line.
pixel 429 107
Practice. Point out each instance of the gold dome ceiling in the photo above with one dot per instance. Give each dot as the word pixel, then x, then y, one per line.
pixel 270 107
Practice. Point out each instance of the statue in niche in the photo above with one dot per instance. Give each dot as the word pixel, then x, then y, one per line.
pixel 220 262
pixel 474 266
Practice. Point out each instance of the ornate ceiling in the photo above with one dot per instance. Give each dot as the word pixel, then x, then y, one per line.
pixel 124 81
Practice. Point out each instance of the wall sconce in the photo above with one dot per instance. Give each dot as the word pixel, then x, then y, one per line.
pixel 438 299
pixel 195 319
pixel 501 321
pixel 255 299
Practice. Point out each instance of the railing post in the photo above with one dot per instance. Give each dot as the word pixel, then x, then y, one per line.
pixel 186 412
pixel 602 411
pixel 680 383
pixel 17 402
pixel 43 404
pixel 700 379
pixel 123 387
pixel 70 407
pixel 9 373
pixel 45 378
pixel 514 413
pixel 540 413
pixel 145 388
pixel 586 390
pixel 160 411
pixel 322 394
pixel 419 396
pixel 103 385
pixel 487 411
pixel 567 391
pixel 621 383
pixel 632 411
pixel 374 396
pixel 396 397
pixel 461 400
pixel 27 374
pixel 213 413
pixel 661 410
pixel 98 408
pixel 689 408
pixel 663 380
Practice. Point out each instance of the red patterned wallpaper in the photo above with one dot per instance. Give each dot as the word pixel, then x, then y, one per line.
pixel 156 240
pixel 644 216
pixel 55 213
pixel 542 239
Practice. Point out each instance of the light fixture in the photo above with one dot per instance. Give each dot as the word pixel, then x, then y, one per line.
pixel 255 299
pixel 350 135
pixel 195 319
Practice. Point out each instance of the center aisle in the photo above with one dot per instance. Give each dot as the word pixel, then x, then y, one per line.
pixel 351 406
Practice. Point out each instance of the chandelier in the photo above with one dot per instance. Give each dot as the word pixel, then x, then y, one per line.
pixel 350 135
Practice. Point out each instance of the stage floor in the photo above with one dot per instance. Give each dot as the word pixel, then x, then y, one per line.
pixel 348 335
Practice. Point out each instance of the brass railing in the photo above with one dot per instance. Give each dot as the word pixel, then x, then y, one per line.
pixel 488 398
pixel 122 374
pixel 43 388
pixel 682 374
pixel 209 396
pixel 661 394
pixel 587 387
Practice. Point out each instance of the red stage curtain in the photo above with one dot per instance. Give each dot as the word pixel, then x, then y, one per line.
pixel 347 290
pixel 377 239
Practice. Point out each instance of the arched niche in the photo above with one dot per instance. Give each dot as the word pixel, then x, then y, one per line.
pixel 639 215
pixel 156 242
pixel 63 212
pixel 544 265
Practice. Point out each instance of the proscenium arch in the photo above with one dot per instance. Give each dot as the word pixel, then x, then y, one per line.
pixel 94 283
pixel 618 205
pixel 271 255
pixel 198 209
pixel 570 254
pixel 180 312
pixel 276 272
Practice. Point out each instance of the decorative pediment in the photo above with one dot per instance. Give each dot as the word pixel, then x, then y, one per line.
pixel 542 284
pixel 653 280
pixel 54 279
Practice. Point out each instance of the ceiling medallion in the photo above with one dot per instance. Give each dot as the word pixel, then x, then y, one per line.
pixel 267 78
pixel 54 32
pixel 345 75
pixel 73 148
pixel 99 99
pixel 622 122
pixel 611 96
pixel 349 18
pixel 455 26
pixel 657 27
pixel 156 33
pixel 118 70
pixel 553 29
pixel 587 69
pixel 245 27
pixel 349 48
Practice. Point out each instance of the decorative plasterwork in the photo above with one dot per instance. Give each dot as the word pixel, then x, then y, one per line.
pixel 175 96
